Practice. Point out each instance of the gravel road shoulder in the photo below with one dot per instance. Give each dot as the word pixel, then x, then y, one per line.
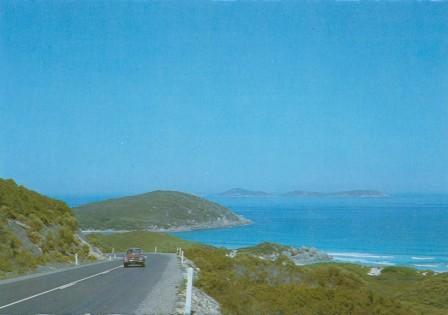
pixel 163 296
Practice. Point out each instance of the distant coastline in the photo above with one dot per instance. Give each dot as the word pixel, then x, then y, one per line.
pixel 183 228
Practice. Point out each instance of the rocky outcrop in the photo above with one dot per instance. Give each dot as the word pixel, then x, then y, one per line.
pixel 305 256
pixel 20 231
pixel 272 251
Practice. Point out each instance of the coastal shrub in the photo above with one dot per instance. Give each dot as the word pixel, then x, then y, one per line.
pixel 50 243
pixel 29 205
pixel 66 235
pixel 35 222
pixel 249 285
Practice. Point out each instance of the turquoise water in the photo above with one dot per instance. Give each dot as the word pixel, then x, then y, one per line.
pixel 409 230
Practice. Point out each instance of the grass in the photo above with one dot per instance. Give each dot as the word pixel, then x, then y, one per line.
pixel 158 209
pixel 142 239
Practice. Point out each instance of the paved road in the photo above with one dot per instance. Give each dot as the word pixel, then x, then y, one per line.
pixel 105 288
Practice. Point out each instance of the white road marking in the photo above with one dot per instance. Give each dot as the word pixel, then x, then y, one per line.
pixel 67 285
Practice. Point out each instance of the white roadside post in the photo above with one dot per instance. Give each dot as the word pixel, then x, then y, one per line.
pixel 182 256
pixel 155 249
pixel 76 259
pixel 189 291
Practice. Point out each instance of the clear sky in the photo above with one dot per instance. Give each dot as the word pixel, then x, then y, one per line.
pixel 127 97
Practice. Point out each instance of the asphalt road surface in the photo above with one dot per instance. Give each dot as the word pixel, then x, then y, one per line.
pixel 103 288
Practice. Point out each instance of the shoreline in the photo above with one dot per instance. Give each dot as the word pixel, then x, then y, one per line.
pixel 378 260
pixel 184 228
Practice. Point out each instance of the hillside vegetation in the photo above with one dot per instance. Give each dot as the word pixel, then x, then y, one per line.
pixel 246 284
pixel 35 230
pixel 158 210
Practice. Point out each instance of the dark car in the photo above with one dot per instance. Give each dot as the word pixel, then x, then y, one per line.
pixel 134 256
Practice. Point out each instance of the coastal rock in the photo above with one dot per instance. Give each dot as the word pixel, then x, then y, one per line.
pixel 305 255
pixel 20 230
pixel 272 251
pixel 375 272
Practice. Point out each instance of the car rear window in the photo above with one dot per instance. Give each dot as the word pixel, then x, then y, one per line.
pixel 134 251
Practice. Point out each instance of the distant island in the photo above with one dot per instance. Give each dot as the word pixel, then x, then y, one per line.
pixel 358 193
pixel 241 192
pixel 156 211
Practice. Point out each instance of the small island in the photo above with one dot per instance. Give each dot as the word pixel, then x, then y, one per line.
pixel 241 192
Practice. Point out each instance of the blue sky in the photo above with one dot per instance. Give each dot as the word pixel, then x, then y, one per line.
pixel 126 97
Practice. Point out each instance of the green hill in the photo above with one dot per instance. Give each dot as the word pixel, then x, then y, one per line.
pixel 35 230
pixel 157 210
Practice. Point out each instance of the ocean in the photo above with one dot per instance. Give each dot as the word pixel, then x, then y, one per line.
pixel 406 230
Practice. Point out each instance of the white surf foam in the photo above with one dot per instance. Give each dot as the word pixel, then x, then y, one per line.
pixel 361 255
pixel 427 265
pixel 422 258
pixel 386 263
